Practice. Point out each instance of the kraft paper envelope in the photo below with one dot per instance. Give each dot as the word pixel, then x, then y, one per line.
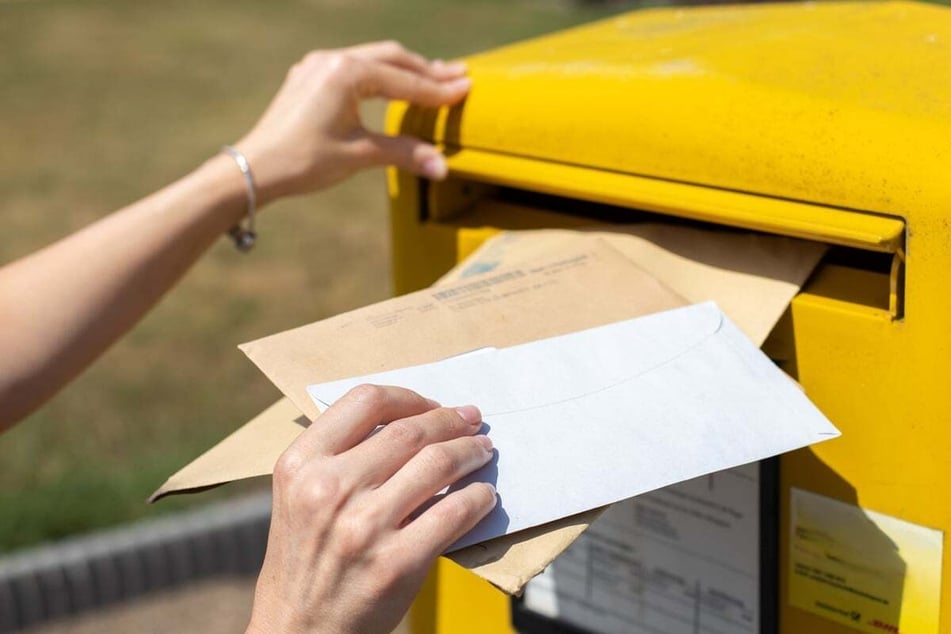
pixel 751 277
pixel 510 561
pixel 597 416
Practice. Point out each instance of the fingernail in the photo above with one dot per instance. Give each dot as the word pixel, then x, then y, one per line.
pixel 455 67
pixel 432 403
pixel 463 83
pixel 435 167
pixel 470 414
pixel 495 494
pixel 486 442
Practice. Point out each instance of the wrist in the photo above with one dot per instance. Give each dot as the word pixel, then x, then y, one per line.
pixel 219 179
pixel 276 619
pixel 243 234
pixel 267 175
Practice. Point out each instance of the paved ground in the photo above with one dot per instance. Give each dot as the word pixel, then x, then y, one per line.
pixel 211 607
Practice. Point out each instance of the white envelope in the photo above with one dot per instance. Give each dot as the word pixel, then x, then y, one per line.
pixel 594 417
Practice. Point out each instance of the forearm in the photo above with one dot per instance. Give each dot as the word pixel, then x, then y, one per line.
pixel 61 307
pixel 64 305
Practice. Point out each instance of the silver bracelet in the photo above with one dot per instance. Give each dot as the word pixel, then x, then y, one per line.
pixel 244 236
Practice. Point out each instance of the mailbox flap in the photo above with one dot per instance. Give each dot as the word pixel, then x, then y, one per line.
pixel 873 232
pixel 840 104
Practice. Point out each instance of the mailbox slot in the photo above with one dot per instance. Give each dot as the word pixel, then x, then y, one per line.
pixel 864 266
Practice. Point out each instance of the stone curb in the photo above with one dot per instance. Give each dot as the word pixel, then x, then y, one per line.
pixel 81 573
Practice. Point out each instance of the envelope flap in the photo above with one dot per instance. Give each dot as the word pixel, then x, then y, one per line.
pixel 583 366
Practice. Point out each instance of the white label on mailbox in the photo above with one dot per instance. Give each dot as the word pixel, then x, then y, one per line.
pixel 679 560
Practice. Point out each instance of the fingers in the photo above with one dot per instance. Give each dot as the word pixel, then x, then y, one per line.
pixel 391 52
pixel 407 80
pixel 448 520
pixel 445 71
pixel 391 82
pixel 405 152
pixel 356 414
pixel 386 452
pixel 395 54
pixel 432 469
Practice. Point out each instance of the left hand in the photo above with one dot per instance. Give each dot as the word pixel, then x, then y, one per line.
pixel 311 135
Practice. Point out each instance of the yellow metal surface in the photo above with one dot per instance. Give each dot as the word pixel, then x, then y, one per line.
pixel 759 213
pixel 455 600
pixel 828 121
pixel 844 104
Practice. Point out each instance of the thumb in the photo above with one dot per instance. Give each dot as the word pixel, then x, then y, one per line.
pixel 405 152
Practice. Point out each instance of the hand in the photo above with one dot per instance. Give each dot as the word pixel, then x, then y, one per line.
pixel 311 135
pixel 346 552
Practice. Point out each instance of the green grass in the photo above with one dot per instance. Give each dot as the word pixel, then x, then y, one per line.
pixel 102 102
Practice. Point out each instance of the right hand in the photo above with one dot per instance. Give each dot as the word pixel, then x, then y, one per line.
pixel 346 552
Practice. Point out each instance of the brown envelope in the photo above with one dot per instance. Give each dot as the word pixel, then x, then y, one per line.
pixel 588 284
pixel 751 277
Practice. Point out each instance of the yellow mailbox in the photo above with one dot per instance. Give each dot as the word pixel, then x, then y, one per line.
pixel 825 121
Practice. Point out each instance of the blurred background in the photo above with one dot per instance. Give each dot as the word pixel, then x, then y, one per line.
pixel 102 102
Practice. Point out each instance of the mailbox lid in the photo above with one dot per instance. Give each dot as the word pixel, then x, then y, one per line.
pixel 843 104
